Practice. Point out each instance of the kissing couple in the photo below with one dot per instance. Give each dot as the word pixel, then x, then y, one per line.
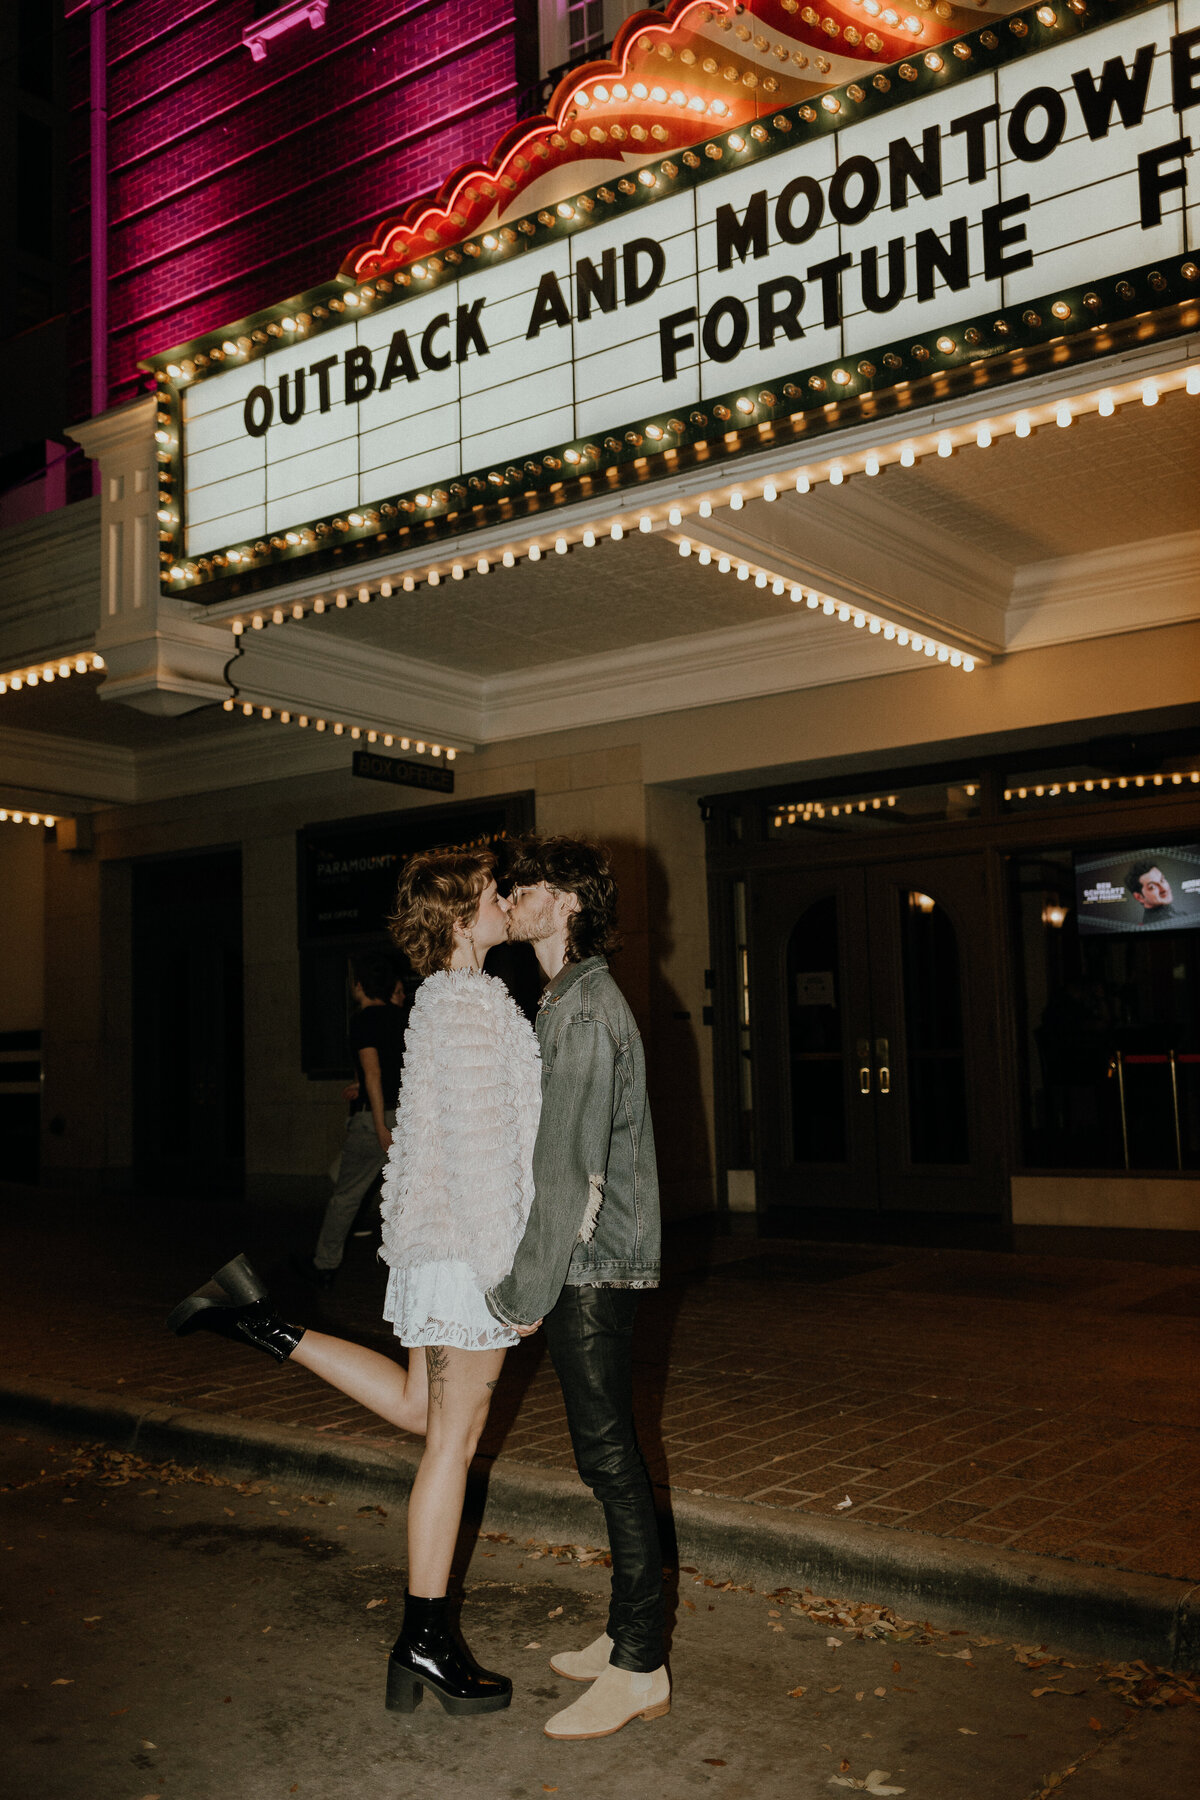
pixel 520 1193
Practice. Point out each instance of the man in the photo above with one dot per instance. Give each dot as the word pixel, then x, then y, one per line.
pixel 377 1044
pixel 591 1243
pixel 1152 891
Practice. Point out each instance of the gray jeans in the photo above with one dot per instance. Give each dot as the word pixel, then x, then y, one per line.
pixel 360 1162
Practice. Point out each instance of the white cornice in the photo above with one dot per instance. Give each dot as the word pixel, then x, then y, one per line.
pixel 41 762
pixel 1132 587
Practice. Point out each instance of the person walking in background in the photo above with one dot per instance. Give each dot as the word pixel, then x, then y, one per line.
pixel 592 1242
pixel 457 1192
pixel 377 1045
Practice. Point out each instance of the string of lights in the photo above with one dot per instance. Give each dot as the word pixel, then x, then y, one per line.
pixel 21 817
pixel 1100 784
pixel 367 734
pixel 55 668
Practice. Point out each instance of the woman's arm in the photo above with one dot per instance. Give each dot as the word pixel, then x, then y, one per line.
pixel 368 1056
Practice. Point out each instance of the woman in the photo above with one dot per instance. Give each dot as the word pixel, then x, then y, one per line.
pixel 456 1195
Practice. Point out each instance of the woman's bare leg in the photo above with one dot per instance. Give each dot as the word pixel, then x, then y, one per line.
pixel 460 1392
pixel 397 1394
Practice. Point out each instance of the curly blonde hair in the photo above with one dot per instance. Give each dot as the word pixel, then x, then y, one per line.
pixel 437 889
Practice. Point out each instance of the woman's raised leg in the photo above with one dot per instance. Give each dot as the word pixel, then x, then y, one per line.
pixel 397 1394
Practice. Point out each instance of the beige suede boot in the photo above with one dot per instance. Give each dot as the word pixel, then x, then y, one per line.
pixel 584 1665
pixel 615 1697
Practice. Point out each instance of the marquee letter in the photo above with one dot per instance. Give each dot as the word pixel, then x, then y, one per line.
pixel 671 340
pixel 321 371
pixel 1154 181
pixel 827 274
pixel 873 300
pixel 923 170
pixel 951 261
pixel 774 317
pixel 742 237
pixel 843 211
pixel 998 258
pixel 399 362
pixel 1044 99
pixel 1117 86
pixel 635 288
pixel 287 412
pixel 435 359
pixel 1185 69
pixel 549 308
pixel 971 127
pixel 600 287
pixel 733 310
pixel 784 227
pixel 468 331
pixel 360 374
pixel 259 396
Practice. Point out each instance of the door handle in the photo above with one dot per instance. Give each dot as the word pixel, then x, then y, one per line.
pixel 864 1079
pixel 863 1046
pixel 885 1073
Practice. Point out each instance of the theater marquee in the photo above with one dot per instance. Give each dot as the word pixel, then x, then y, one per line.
pixel 1025 182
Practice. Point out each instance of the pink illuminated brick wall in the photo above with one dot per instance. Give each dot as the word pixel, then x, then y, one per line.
pixel 234 183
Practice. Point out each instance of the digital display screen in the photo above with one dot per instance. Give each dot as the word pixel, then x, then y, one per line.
pixel 1151 889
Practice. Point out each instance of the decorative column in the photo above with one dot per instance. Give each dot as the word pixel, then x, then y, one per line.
pixel 159 654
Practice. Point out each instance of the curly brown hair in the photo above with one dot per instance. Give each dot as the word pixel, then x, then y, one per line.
pixel 437 889
pixel 572 865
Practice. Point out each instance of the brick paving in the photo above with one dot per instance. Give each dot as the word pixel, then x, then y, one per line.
pixel 1038 1402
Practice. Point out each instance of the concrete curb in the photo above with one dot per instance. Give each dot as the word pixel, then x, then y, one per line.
pixel 1076 1607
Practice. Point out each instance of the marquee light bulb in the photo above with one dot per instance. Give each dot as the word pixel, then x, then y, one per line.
pixel 908 457
pixel 836 475
pixel 674 517
pixel 1064 415
pixel 685 548
pixel 561 546
pixel 1106 406
pixel 770 491
pixel 778 586
pixel 535 553
pixel 705 555
pixel 724 566
pixel 871 466
pixel 1022 426
pixel 589 539
pixel 802 484
pixel 945 446
pixel 735 501
pixel 616 531
pixel 983 437
pixel 1192 385
pixel 509 560
pixel 813 601
pixel 645 523
pixel 1149 394
pixel 705 509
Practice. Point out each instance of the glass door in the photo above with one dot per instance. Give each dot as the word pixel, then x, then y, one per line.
pixel 874 1045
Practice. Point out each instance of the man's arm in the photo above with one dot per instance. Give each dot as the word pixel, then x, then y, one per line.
pixel 570 1161
pixel 368 1056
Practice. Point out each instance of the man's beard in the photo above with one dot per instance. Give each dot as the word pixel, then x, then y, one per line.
pixel 533 928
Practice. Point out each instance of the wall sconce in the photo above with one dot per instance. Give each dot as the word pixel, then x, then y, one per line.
pixel 1054 914
pixel 924 903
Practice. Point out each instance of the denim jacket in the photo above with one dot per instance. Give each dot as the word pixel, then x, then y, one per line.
pixel 594 1220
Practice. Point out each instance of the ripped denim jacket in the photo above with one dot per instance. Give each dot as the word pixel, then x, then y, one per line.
pixel 594 1220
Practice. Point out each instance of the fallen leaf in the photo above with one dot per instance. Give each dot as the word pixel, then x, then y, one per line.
pixel 120 1713
pixel 63 1681
pixel 227 1701
pixel 229 1512
pixel 967 1732
pixel 875 1783
pixel 554 1614
pixel 690 1604
pixel 834 1690
pixel 1095 1725
pixel 372 1603
pixel 895 1668
pixel 841 1505
pixel 94 1620
pixel 147 1745
pixel 833 1643
pixel 861 1694
pixel 265 1630
pixel 714 1762
pixel 534 1646
pixel 1038 1692
pixel 880 1693
pixel 797 1693
pixel 774 1615
pixel 844 1766
pixel 547 1789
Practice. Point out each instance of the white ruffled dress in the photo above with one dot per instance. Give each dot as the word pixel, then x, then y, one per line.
pixel 458 1182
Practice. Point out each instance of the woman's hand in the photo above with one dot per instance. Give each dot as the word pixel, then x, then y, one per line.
pixel 527 1330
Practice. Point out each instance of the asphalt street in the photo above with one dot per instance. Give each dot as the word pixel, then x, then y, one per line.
pixel 170 1636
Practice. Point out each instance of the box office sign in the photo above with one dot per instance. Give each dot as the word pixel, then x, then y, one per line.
pixel 841 256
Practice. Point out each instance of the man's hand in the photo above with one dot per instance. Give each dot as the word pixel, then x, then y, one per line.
pixel 350 1093
pixel 527 1330
pixel 385 1138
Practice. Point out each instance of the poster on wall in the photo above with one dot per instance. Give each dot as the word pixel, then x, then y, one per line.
pixel 1156 888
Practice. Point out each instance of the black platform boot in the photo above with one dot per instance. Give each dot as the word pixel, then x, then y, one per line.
pixel 428 1654
pixel 235 1304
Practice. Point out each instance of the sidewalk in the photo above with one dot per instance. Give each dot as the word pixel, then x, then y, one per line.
pixel 1034 1407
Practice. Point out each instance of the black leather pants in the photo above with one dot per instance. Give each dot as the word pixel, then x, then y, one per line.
pixel 589 1334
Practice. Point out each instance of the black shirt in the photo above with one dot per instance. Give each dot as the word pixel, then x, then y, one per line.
pixel 379 1028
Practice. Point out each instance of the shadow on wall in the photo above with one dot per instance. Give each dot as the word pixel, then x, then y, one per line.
pixel 670 1029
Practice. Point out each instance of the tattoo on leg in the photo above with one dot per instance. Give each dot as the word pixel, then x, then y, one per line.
pixel 436 1361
